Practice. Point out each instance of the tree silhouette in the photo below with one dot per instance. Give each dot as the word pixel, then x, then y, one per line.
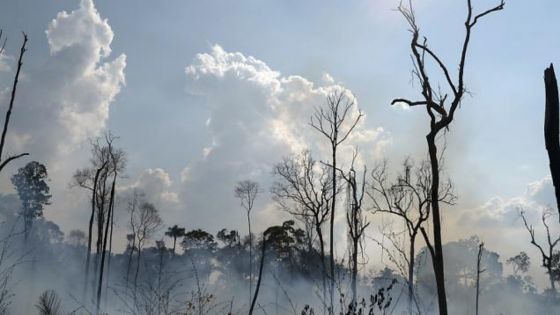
pixel 4 162
pixel 440 115
pixel 33 191
pixel 548 250
pixel 304 190
pixel 552 130
pixel 175 232
pixel 335 122
pixel 246 191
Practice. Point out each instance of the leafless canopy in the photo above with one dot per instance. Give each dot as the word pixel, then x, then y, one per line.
pixel 408 196
pixel 330 120
pixel 305 187
pixel 247 191
pixel 548 250
pixel 441 114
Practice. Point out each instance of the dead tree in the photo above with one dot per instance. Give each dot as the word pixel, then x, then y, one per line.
pixel 335 123
pixel 440 114
pixel 552 130
pixel 407 196
pixel 246 191
pixel 147 222
pixel 356 221
pixel 548 250
pixel 107 162
pixel 133 205
pixel 108 227
pixel 304 190
pixel 4 162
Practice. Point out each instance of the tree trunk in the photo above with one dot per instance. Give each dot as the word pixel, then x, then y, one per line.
pixel 90 229
pixel 104 249
pixel 551 129
pixel 478 272
pixel 355 242
pixel 331 240
pixel 411 297
pixel 437 257
pixel 323 263
pixel 250 256
pixel 261 267
pixel 130 259
pixel 137 268
pixel 110 251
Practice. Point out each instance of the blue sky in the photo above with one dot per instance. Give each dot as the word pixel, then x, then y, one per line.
pixel 495 146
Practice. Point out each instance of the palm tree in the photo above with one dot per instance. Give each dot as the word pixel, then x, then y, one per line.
pixel 175 232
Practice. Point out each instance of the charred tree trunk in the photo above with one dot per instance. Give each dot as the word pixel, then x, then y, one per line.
pixel 355 244
pixel 437 256
pixel 90 229
pixel 412 249
pixel 261 267
pixel 250 255
pixel 331 229
pixel 323 262
pixel 104 249
pixel 479 271
pixel 551 129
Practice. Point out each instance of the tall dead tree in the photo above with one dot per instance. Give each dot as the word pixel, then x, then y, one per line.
pixel 407 196
pixel 147 221
pixel 246 191
pixel 304 190
pixel 548 250
pixel 440 114
pixel 8 159
pixel 552 129
pixel 335 122
pixel 107 162
pixel 356 222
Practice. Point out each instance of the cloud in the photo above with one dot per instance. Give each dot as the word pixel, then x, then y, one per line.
pixel 257 116
pixel 67 100
pixel 158 187
pixel 62 101
pixel 504 212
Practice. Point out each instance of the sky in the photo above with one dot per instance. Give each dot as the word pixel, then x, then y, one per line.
pixel 205 93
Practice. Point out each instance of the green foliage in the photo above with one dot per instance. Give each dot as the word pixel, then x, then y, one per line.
pixel 199 239
pixel 33 190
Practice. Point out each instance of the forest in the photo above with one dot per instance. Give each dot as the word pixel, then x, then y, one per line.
pixel 325 223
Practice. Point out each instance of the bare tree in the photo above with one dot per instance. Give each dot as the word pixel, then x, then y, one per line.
pixel 246 191
pixel 107 163
pixel 147 221
pixel 355 220
pixel 8 159
pixel 335 122
pixel 440 114
pixel 548 250
pixel 408 196
pixel 304 190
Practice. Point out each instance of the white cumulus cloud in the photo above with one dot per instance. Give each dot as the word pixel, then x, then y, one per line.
pixel 257 116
